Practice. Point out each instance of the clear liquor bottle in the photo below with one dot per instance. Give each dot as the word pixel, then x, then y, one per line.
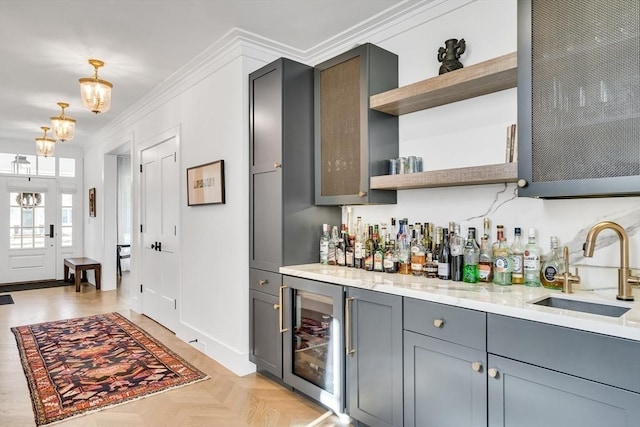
pixel 444 257
pixel 532 261
pixel 485 261
pixel 333 243
pixel 404 249
pixel 341 247
pixel 471 254
pixel 517 257
pixel 324 245
pixel 501 259
pixel 390 261
pixel 418 255
pixel 358 251
pixel 551 266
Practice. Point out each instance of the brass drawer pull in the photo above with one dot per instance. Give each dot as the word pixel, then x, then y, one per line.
pixel 438 323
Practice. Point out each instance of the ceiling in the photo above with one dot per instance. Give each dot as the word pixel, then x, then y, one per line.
pixel 45 45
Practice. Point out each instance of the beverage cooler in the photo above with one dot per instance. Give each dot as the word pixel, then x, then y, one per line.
pixel 313 326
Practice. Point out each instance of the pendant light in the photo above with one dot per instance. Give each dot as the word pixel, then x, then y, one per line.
pixel 63 127
pixel 44 145
pixel 95 92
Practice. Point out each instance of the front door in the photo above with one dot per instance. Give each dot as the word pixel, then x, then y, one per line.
pixel 160 202
pixel 27 229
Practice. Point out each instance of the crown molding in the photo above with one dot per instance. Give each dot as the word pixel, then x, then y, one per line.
pixel 238 43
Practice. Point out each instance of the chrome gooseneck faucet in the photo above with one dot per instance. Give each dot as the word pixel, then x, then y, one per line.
pixel 625 279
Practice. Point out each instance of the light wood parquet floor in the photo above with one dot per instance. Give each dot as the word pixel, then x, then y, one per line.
pixel 223 400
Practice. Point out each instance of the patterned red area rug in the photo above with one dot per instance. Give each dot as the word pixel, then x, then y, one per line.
pixel 81 365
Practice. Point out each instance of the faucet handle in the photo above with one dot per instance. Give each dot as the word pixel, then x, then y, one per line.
pixel 566 278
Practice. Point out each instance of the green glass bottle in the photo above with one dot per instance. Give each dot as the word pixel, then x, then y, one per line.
pixel 471 255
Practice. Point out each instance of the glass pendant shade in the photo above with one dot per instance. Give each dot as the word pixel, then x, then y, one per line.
pixel 45 146
pixel 63 127
pixel 95 92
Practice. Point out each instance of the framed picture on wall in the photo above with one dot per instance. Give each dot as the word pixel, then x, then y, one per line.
pixel 92 202
pixel 205 184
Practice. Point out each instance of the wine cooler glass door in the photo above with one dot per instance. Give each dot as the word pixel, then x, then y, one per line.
pixel 314 355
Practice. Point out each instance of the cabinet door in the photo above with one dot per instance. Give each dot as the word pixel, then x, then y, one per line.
pixel 578 98
pixel 352 142
pixel 264 333
pixel 266 221
pixel 445 384
pixel 374 367
pixel 524 395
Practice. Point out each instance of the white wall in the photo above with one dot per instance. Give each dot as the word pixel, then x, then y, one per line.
pixel 209 106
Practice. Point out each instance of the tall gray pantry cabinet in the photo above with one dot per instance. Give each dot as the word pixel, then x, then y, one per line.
pixel 284 224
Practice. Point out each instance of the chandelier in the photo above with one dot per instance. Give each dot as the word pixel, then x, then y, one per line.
pixel 44 145
pixel 95 92
pixel 63 127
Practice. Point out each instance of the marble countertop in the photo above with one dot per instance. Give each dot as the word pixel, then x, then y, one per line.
pixel 514 301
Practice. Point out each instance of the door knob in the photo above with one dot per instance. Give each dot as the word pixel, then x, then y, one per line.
pixel 153 246
pixel 277 165
pixel 159 246
pixel 493 372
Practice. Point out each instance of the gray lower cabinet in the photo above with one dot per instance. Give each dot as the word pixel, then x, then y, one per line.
pixel 524 395
pixel 374 359
pixel 445 381
pixel 264 329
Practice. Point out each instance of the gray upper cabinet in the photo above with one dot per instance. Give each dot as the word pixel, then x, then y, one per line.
pixel 374 362
pixel 284 226
pixel 578 98
pixel 352 141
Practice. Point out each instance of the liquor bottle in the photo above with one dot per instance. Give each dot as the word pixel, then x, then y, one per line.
pixel 517 256
pixel 390 260
pixel 471 254
pixel 456 246
pixel 378 255
pixel 350 250
pixel 487 230
pixel 404 249
pixel 358 252
pixel 369 249
pixel 324 245
pixel 444 257
pixel 333 243
pixel 485 261
pixel 552 266
pixel 532 261
pixel 341 247
pixel 501 259
pixel 418 255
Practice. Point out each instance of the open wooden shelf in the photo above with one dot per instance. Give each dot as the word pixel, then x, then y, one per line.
pixel 474 175
pixel 480 79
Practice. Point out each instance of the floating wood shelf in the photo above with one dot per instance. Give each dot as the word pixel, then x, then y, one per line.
pixel 474 175
pixel 480 79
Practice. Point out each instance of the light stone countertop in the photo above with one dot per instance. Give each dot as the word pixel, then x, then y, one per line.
pixel 514 301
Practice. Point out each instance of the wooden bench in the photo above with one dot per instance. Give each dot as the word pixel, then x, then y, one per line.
pixel 81 265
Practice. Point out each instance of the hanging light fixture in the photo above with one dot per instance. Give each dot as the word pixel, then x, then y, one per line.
pixel 95 92
pixel 63 127
pixel 44 145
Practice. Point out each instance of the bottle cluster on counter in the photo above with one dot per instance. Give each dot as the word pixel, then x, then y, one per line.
pixel 423 249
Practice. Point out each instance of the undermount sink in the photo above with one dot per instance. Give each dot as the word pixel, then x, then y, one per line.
pixel 582 306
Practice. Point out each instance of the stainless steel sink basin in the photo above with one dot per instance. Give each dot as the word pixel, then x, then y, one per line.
pixel 584 307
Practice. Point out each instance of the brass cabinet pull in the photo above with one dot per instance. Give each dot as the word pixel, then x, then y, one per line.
pixel 438 323
pixel 263 282
pixel 280 307
pixel 362 193
pixel 493 372
pixel 347 326
pixel 476 366
pixel 277 165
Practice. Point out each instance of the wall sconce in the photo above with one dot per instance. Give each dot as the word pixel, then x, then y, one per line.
pixel 63 127
pixel 95 92
pixel 44 145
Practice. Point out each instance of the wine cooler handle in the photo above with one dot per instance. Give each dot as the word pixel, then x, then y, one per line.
pixel 347 326
pixel 280 309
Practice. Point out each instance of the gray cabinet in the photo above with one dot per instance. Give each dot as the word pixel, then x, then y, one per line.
pixel 525 395
pixel 374 357
pixel 578 98
pixel 353 142
pixel 543 374
pixel 284 224
pixel 445 379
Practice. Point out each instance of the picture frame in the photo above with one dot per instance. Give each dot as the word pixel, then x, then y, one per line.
pixel 92 202
pixel 205 184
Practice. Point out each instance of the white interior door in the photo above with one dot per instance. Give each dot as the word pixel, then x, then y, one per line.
pixel 28 229
pixel 159 219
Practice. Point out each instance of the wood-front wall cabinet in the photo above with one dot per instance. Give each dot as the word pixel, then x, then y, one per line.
pixel 353 142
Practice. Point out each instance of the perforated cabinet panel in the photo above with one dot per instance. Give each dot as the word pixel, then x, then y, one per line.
pixel 585 89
